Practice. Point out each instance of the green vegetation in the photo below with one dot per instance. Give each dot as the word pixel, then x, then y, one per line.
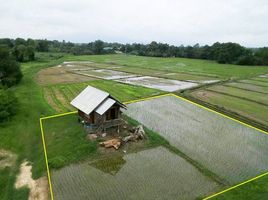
pixel 10 73
pixel 8 104
pixel 185 65
pixel 243 94
pixel 59 96
pixel 66 144
pixel 21 134
pixel 249 109
pixel 254 190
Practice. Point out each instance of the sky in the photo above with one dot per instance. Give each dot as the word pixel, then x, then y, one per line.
pixel 174 22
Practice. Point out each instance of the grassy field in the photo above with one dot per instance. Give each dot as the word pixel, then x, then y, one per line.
pixel 196 131
pixel 185 65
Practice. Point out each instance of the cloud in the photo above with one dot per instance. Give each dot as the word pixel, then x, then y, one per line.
pixel 172 21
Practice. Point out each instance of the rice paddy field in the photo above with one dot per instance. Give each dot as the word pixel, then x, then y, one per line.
pixel 247 97
pixel 159 83
pixel 229 149
pixel 193 67
pixel 150 174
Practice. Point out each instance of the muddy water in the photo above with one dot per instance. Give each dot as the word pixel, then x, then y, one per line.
pixel 149 174
pixel 159 83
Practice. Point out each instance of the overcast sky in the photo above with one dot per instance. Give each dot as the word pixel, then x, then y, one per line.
pixel 171 21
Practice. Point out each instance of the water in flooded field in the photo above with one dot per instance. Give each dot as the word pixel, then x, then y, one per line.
pixel 150 174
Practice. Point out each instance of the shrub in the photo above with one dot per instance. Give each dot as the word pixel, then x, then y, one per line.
pixel 8 104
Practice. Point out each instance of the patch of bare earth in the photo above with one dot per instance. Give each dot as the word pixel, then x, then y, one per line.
pixel 7 158
pixel 39 189
pixel 58 74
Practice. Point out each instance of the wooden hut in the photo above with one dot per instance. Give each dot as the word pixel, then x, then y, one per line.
pixel 97 109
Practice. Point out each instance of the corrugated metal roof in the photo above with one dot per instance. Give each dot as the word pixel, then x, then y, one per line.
pixel 105 105
pixel 89 99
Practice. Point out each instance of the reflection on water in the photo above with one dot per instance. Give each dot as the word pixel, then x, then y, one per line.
pixel 109 165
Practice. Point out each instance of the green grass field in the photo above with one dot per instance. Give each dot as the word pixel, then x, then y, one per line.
pixel 185 65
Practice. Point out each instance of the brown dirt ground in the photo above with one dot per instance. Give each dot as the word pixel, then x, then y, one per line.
pixel 58 74
pixel 39 189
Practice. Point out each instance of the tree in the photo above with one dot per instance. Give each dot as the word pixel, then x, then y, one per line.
pixel 42 45
pixel 262 56
pixel 8 104
pixel 30 54
pixel 20 52
pixel 98 47
pixel 10 73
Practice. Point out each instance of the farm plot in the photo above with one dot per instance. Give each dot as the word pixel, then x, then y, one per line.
pixel 59 74
pixel 255 82
pixel 236 92
pixel 159 83
pixel 150 174
pixel 249 109
pixel 59 96
pixel 249 87
pixel 107 74
pixel 220 144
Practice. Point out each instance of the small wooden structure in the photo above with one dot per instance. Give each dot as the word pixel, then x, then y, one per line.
pixel 97 109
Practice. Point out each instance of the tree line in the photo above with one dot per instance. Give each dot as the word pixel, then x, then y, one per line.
pixel 229 53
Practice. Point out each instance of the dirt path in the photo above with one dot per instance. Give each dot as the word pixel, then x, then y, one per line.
pixel 38 188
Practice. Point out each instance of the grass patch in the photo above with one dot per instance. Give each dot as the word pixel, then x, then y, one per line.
pixel 254 190
pixel 66 141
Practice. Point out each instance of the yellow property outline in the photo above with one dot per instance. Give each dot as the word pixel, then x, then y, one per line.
pixel 144 99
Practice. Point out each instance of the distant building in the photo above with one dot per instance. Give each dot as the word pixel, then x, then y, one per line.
pixel 98 109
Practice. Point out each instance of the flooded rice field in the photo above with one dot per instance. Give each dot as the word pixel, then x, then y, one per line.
pixel 231 150
pixel 108 74
pixel 159 83
pixel 150 174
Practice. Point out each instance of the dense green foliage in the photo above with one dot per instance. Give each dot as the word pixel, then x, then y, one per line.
pixel 8 104
pixel 231 53
pixel 10 73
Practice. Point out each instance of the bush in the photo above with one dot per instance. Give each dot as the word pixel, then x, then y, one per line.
pixel 8 104
pixel 10 73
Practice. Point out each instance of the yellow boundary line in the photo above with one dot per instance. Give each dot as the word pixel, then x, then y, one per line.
pixel 144 99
